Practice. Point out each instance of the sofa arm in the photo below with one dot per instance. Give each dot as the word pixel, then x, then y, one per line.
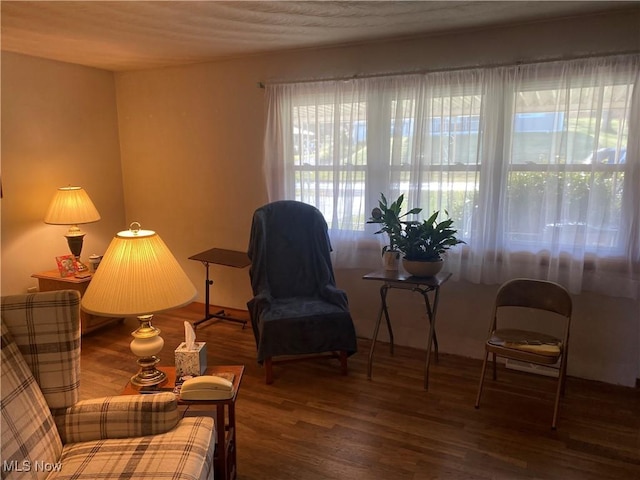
pixel 117 417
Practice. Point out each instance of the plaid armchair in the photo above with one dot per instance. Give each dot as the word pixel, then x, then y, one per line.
pixel 48 433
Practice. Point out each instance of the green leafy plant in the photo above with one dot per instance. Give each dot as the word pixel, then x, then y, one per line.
pixel 389 217
pixel 426 240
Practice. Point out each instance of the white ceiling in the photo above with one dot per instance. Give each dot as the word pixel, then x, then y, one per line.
pixel 131 35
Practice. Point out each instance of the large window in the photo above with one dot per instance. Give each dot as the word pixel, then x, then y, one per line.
pixel 329 153
pixel 534 163
pixel 568 157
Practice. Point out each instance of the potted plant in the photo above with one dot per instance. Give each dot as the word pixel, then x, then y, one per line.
pixel 421 243
pixel 389 217
pixel 424 243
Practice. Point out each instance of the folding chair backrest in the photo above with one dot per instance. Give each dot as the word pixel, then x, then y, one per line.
pixel 540 294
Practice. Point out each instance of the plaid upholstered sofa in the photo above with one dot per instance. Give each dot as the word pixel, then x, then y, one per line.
pixel 48 433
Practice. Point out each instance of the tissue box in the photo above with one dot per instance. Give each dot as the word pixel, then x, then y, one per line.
pixel 191 362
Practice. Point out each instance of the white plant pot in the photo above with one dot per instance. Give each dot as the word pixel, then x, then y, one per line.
pixel 420 268
pixel 391 260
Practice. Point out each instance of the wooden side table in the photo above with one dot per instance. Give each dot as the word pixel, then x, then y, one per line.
pixel 51 280
pixel 225 416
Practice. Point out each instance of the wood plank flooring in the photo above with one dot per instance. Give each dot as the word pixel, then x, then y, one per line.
pixel 314 424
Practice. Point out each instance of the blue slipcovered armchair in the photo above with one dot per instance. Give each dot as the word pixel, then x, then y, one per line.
pixel 297 308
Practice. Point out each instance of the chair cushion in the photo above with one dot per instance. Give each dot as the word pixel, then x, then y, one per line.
pixel 532 342
pixel 29 434
pixel 296 326
pixel 184 453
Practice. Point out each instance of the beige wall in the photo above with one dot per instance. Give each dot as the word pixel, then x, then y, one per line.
pixel 59 127
pixel 193 137
pixel 191 150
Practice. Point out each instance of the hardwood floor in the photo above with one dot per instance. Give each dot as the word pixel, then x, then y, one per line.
pixel 314 424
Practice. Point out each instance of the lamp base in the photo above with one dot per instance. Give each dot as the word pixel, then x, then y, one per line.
pixel 146 343
pixel 81 267
pixel 148 375
pixel 75 239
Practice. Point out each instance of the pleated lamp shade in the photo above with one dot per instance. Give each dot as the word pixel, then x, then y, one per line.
pixel 138 275
pixel 71 206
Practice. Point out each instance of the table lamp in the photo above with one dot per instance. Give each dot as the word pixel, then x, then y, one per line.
pixel 139 276
pixel 72 206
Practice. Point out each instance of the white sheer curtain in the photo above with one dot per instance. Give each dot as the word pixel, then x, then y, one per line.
pixel 538 165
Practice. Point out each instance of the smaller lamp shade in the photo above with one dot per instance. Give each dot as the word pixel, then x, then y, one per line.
pixel 71 206
pixel 138 275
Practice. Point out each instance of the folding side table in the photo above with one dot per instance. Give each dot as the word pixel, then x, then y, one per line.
pixel 402 280
pixel 219 256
